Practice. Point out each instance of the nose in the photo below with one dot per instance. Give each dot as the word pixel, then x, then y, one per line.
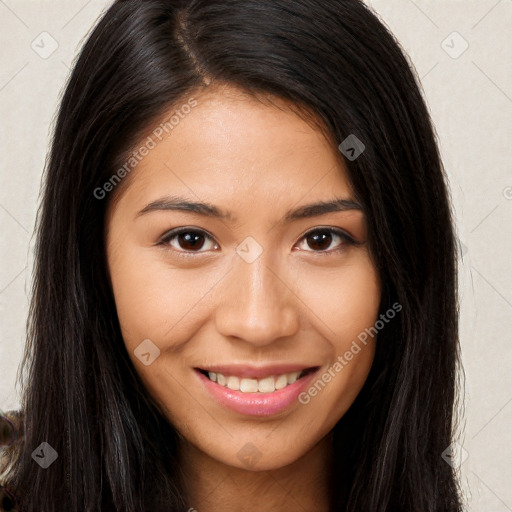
pixel 256 304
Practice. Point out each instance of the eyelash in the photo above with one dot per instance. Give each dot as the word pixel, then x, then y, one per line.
pixel 169 236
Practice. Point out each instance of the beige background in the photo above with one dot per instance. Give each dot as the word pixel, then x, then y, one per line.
pixel 470 97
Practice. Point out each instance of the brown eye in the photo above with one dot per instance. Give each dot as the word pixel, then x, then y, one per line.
pixel 190 241
pixel 320 240
pixel 187 240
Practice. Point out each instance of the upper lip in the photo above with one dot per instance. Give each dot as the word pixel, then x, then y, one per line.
pixel 257 372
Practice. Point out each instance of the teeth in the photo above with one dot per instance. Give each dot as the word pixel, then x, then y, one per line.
pixel 248 385
pixel 233 383
pixel 281 382
pixel 292 377
pixel 265 385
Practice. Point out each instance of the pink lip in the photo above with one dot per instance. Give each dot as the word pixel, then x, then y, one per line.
pixel 256 404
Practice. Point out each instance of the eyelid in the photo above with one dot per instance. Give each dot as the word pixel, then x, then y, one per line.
pixel 171 234
pixel 338 231
pixel 345 237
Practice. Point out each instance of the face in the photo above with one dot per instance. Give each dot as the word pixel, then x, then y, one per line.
pixel 234 313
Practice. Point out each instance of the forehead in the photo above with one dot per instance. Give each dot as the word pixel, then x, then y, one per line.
pixel 233 149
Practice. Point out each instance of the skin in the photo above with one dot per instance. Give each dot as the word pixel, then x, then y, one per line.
pixel 297 302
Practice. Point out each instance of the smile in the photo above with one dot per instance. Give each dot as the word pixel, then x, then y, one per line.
pixel 255 392
pixel 265 385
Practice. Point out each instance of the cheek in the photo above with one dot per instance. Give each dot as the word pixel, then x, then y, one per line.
pixel 167 305
pixel 346 303
pixel 153 299
pixel 158 301
pixel 345 298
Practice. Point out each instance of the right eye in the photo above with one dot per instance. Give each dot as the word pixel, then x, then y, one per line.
pixel 187 240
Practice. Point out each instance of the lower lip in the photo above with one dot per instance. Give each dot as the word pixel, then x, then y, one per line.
pixel 257 404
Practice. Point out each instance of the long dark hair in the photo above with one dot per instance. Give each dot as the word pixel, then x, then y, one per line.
pixel 81 394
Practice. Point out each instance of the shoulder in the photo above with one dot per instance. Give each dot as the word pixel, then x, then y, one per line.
pixel 11 429
pixel 7 501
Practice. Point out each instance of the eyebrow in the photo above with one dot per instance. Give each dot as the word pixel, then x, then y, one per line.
pixel 210 210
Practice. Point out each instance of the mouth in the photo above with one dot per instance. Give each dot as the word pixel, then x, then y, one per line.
pixel 253 384
pixel 256 392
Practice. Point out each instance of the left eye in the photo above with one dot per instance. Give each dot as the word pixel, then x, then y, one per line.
pixel 322 238
pixel 186 240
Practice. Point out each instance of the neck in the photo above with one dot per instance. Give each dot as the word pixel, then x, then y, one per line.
pixel 302 485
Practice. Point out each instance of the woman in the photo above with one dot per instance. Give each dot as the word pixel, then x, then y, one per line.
pixel 245 289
